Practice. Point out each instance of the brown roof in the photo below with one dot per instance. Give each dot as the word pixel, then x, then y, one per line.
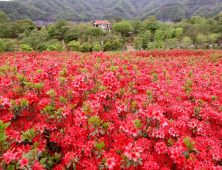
pixel 101 21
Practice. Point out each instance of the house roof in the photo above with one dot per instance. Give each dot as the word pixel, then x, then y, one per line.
pixel 101 21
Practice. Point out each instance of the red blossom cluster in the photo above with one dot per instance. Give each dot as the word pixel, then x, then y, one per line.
pixel 156 110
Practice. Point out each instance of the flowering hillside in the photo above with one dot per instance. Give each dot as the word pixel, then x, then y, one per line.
pixel 158 110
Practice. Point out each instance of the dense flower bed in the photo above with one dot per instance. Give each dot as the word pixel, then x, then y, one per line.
pixel 141 110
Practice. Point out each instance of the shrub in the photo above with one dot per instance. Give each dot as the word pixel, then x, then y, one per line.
pixel 42 47
pixel 55 47
pixel 96 47
pixel 201 38
pixel 186 41
pixel 116 44
pixel 137 43
pixel 51 31
pixel 158 44
pixel 86 47
pixel 75 46
pixel 212 38
pixel 2 46
pixel 25 47
pixel 11 45
pixel 107 46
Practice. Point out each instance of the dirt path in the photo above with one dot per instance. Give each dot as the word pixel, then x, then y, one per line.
pixel 130 48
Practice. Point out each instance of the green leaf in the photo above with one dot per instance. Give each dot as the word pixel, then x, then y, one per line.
pixel 195 151
pixel 24 137
pixel 43 160
pixel 11 167
pixel 101 132
pixel 94 133
pixel 128 164
pixel 4 126
pixel 170 142
pixel 69 165
pixel 187 142
pixel 3 136
pixel 56 156
pixel 140 162
pixel 192 144
pixel 186 154
pixel 74 166
pixel 140 158
pixel 123 165
pixel 40 154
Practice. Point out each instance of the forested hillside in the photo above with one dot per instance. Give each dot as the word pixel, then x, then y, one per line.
pixel 87 10
pixel 185 9
pixel 19 11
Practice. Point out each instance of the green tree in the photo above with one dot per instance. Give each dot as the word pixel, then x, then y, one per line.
pixel 123 27
pixel 95 31
pixel 61 26
pixel 145 39
pixel 178 32
pixel 186 41
pixel 152 24
pixel 159 35
pixel 158 44
pixel 72 34
pixel 137 43
pixel 11 44
pixel 4 30
pixel 43 29
pixel 20 26
pixel 196 20
pixel 61 23
pixel 44 45
pixel 51 31
pixel 34 39
pixel 168 33
pixel 201 38
pixel 138 26
pixel 26 48
pixel 83 27
pixel 151 19
pixel 2 46
pixel 86 47
pixel 124 41
pixel 212 38
pixel 4 18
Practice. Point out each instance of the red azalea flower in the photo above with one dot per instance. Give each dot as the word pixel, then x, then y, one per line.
pixel 23 162
pixel 37 166
pixel 110 163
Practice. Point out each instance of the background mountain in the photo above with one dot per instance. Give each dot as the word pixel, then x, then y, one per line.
pixel 185 9
pixel 87 10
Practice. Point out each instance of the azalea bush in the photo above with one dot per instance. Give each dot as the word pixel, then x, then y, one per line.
pixel 157 110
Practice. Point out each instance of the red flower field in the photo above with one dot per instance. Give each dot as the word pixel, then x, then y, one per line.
pixel 158 110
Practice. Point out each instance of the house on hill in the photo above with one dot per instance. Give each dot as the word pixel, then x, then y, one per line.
pixel 104 24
